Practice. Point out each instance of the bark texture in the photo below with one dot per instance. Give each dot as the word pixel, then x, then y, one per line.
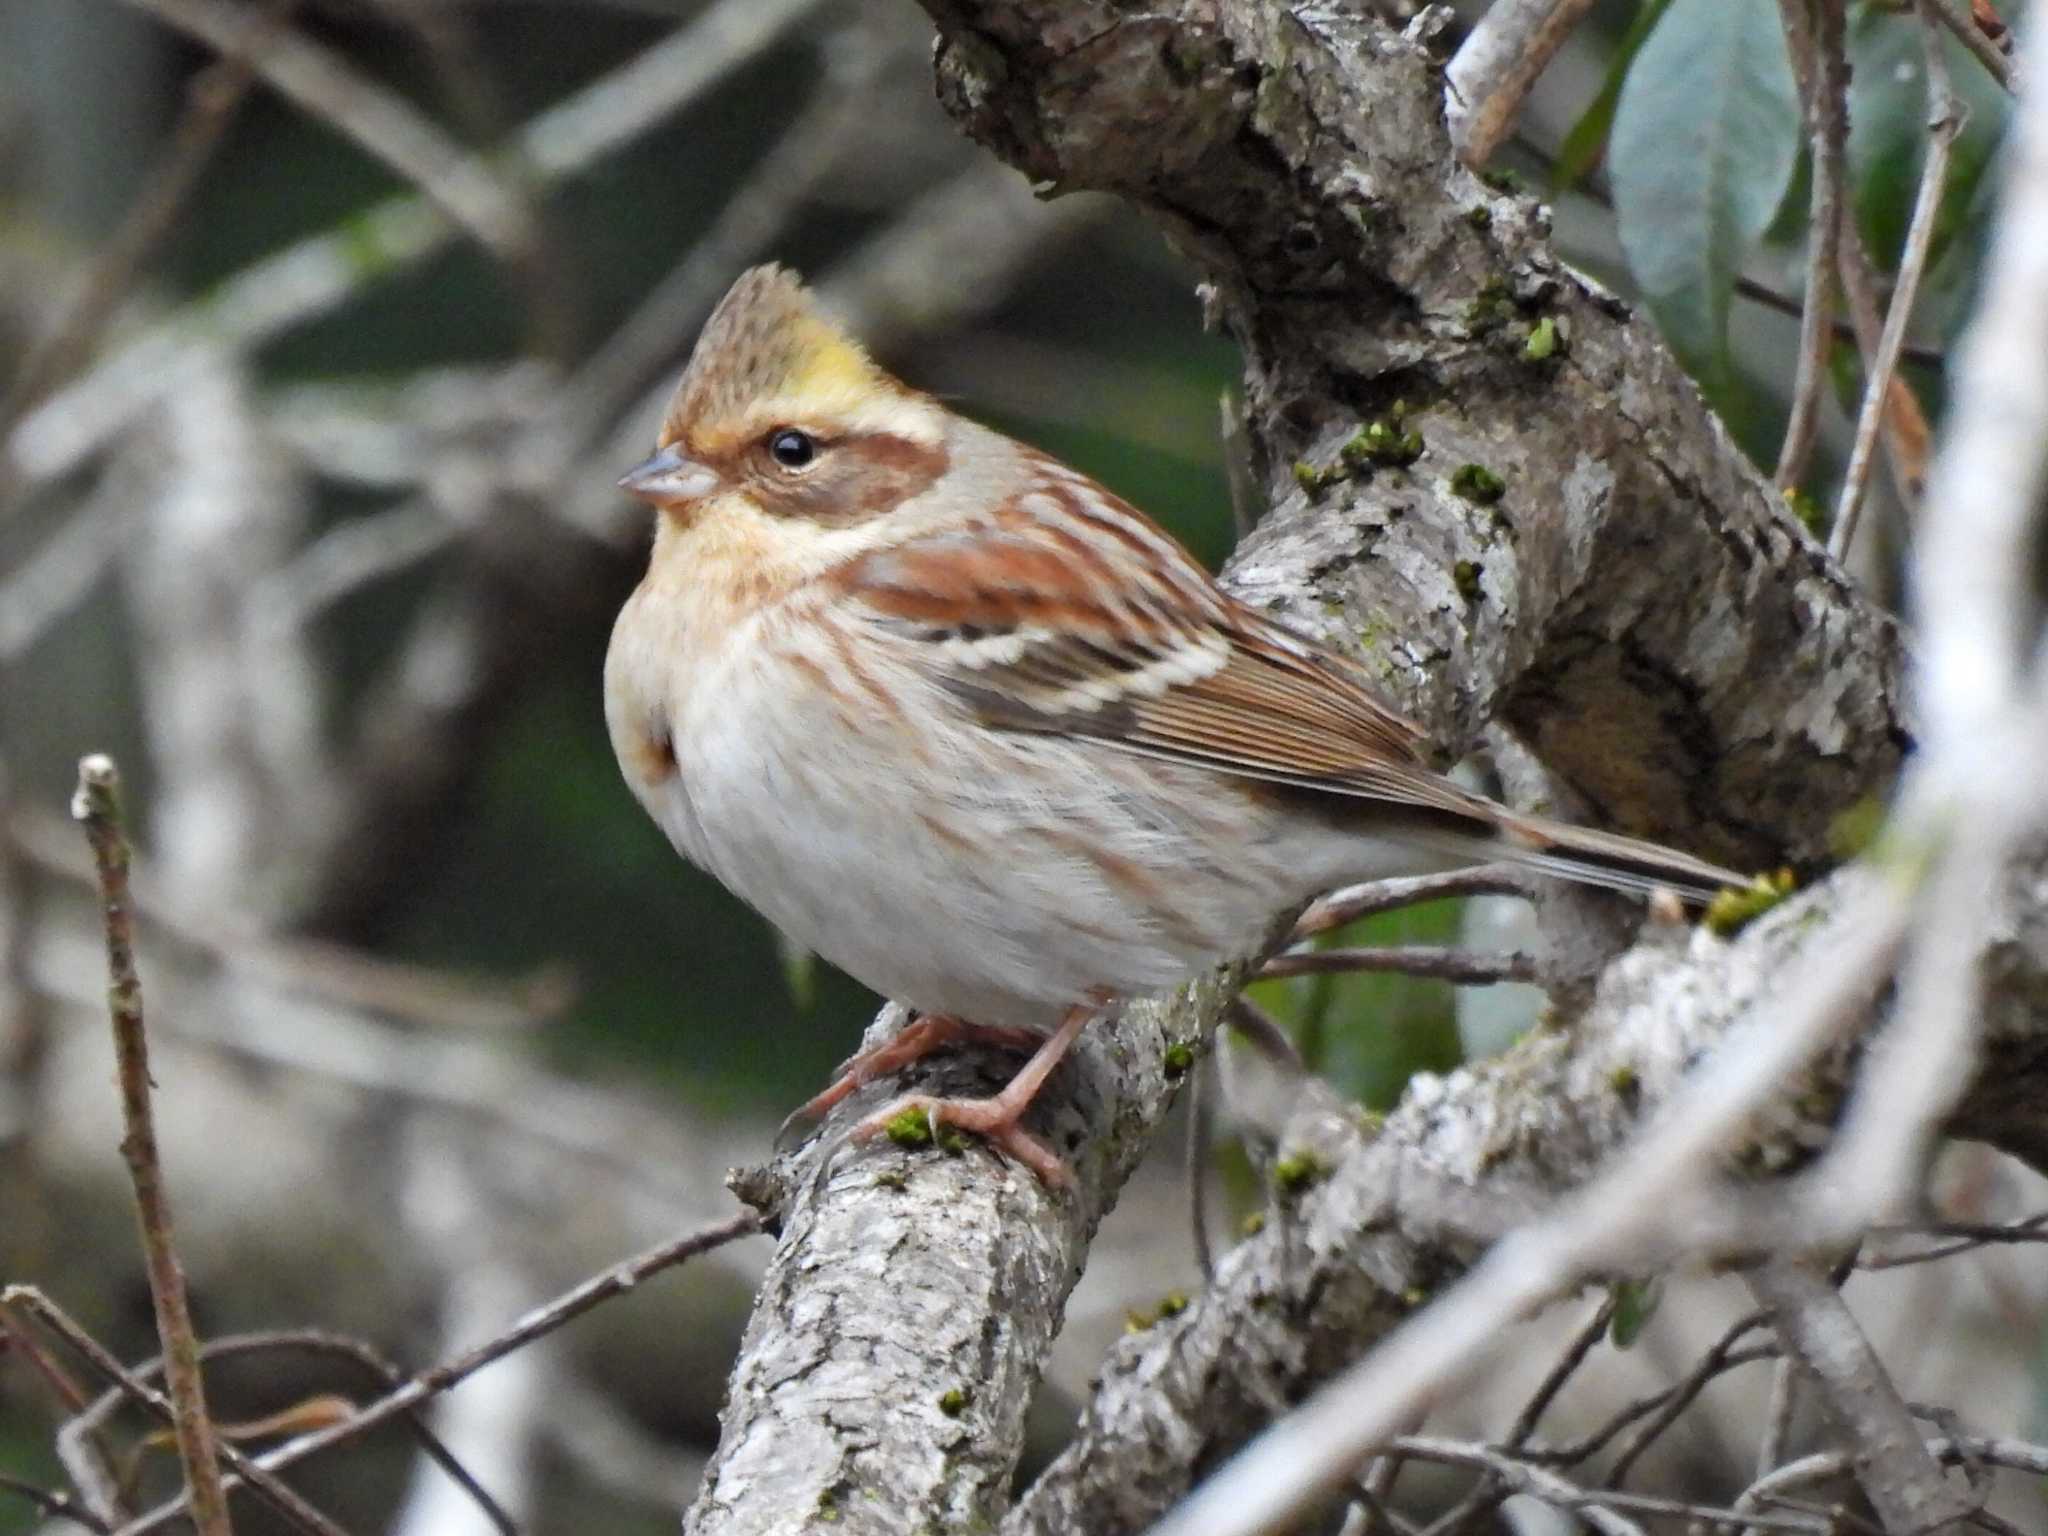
pixel 901 1328
pixel 1634 601
pixel 1568 542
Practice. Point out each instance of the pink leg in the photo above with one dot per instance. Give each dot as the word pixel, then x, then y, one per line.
pixel 929 1032
pixel 1000 1118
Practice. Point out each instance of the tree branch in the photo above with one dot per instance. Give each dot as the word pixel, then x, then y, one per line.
pixel 1390 1218
pixel 1903 1480
pixel 98 807
pixel 1526 564
pixel 1299 156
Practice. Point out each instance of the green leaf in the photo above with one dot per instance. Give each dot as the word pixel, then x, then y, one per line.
pixel 1635 1303
pixel 1706 135
pixel 1587 140
pixel 1888 133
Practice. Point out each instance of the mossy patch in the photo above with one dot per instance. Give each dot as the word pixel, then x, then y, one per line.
pixel 1737 907
pixel 1382 442
pixel 1477 484
pixel 1298 1171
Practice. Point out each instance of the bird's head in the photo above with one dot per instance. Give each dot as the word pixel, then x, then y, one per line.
pixel 781 415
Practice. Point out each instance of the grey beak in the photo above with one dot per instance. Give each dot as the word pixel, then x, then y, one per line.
pixel 669 476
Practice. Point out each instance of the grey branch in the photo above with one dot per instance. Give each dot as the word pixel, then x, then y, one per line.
pixel 1496 66
pixel 1904 1482
pixel 883 1380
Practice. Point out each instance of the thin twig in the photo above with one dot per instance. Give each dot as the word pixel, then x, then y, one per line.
pixel 1267 1035
pixel 319 1342
pixel 317 274
pixel 536 269
pixel 1198 1164
pixel 86 1456
pixel 210 104
pixel 1436 962
pixel 1999 1451
pixel 1599 1508
pixel 467 188
pixel 1721 1356
pixel 1945 121
pixel 1491 74
pixel 1784 1403
pixel 1903 1482
pixel 1844 330
pixel 97 805
pixel 1952 15
pixel 543 1320
pixel 1825 82
pixel 1376 896
pixel 1590 1333
pixel 58 1506
pixel 288 1504
pixel 1968 1235
pixel 59 574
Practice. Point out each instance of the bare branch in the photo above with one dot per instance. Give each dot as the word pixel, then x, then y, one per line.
pixel 1954 1450
pixel 1955 15
pixel 430 1383
pixel 1340 908
pixel 318 274
pixel 57 1506
pixel 314 1341
pixel 1434 962
pixel 97 805
pixel 470 191
pixel 1659 1411
pixel 56 578
pixel 83 1452
pixel 1902 1480
pixel 1600 1509
pixel 1494 68
pixel 295 1510
pixel 210 106
pixel 1813 29
pixel 1945 121
pixel 1590 1333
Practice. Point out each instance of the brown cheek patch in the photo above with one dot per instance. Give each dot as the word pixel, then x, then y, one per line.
pixel 858 478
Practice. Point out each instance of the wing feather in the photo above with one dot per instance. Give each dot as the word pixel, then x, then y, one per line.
pixel 1068 612
pixel 1095 624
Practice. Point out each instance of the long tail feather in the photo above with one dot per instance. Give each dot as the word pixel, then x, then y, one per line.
pixel 1610 860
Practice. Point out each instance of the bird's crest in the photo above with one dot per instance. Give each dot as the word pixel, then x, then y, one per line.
pixel 769 344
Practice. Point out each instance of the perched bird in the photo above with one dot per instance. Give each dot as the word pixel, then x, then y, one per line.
pixel 980 733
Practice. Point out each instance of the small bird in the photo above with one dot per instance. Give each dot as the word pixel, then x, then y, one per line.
pixel 972 728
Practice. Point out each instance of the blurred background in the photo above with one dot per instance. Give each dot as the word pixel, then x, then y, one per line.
pixel 325 328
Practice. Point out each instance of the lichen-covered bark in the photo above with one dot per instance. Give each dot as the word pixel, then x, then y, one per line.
pixel 1632 602
pixel 1407 1205
pixel 1635 603
pixel 893 1350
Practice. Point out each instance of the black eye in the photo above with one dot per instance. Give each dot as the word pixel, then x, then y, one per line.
pixel 792 449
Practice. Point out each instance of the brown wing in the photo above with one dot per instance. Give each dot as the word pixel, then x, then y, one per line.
pixel 1071 613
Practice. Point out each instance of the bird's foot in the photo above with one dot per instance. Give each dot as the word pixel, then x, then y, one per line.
pixel 927 1033
pixel 998 1119
pixel 918 1118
